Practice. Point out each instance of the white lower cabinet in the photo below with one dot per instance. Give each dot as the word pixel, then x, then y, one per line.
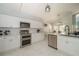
pixel 37 37
pixel 1 44
pixel 61 43
pixel 74 45
pixel 9 43
pixel 68 44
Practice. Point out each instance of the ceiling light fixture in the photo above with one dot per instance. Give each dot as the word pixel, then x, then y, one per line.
pixel 47 8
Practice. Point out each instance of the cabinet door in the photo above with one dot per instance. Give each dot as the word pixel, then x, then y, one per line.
pixel 73 44
pixel 12 42
pixel 68 44
pixel 36 24
pixel 1 45
pixel 8 43
pixel 37 37
pixel 9 21
pixel 62 43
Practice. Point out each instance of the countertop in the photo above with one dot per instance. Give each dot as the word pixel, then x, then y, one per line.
pixel 77 36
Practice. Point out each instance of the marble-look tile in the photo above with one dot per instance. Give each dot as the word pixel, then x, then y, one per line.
pixel 40 48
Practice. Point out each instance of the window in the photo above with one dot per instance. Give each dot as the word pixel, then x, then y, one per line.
pixel 76 22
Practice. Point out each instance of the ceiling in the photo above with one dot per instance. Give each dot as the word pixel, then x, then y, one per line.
pixel 36 11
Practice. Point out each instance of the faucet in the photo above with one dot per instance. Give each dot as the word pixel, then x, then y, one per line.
pixel 67 29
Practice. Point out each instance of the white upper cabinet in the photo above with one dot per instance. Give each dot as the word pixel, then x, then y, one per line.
pixel 33 23
pixel 10 6
pixel 10 9
pixel 9 21
pixel 36 24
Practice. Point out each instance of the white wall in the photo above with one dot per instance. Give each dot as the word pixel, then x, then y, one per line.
pixel 14 22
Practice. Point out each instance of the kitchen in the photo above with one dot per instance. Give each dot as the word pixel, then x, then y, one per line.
pixel 21 26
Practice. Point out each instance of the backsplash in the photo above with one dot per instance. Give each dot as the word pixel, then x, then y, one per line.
pixel 7 31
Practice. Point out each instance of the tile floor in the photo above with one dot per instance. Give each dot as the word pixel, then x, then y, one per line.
pixel 40 48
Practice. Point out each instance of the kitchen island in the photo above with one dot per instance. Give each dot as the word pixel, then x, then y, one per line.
pixel 68 44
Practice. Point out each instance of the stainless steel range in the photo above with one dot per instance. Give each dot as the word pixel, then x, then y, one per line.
pixel 24 34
